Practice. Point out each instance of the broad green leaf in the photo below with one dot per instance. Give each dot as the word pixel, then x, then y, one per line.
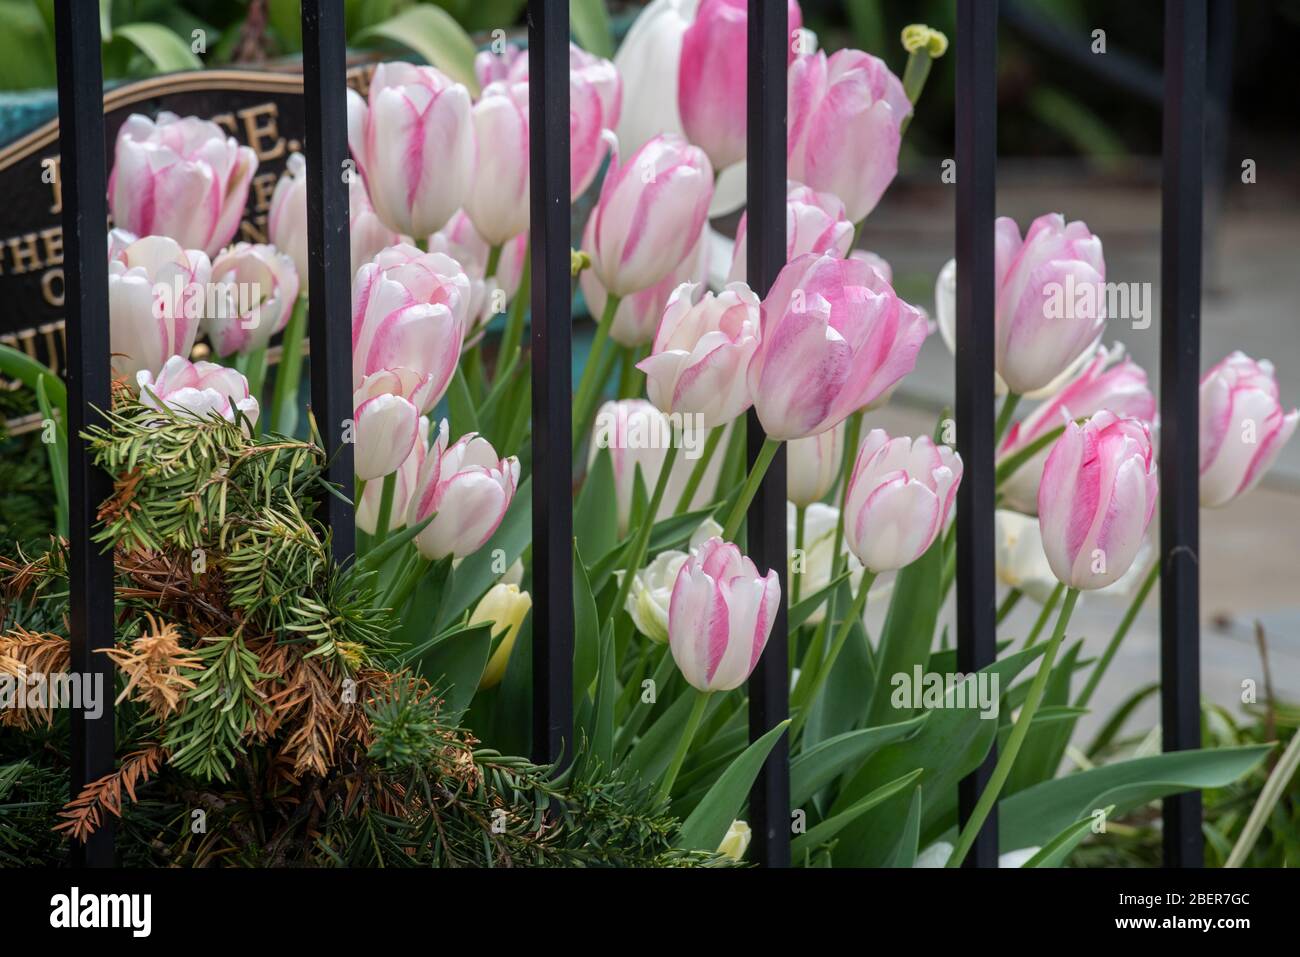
pixel 455 665
pixel 817 767
pixel 476 573
pixel 801 612
pixel 18 365
pixel 842 705
pixel 708 823
pixel 1033 816
pixel 1044 745
pixel 57 454
pixel 649 757
pixel 908 632
pixel 26 47
pixel 374 559
pixel 165 50
pixel 1116 721
pixel 586 630
pixel 1055 851
pixel 595 516
pixel 436 36
pixel 460 407
pixel 827 829
pixel 600 734
pixel 908 842
pixel 590 25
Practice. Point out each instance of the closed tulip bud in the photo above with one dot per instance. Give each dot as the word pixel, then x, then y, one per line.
pixel 702 352
pixel 255 288
pixel 1243 427
pixel 413 142
pixel 506 607
pixel 286 223
pixel 637 318
pixel 1110 381
pixel 812 465
pixel 816 564
pixel 387 426
pixel 488 297
pixel 648 62
pixel 846 114
pixel 1096 499
pixel 498 199
pixel 180 177
pixel 407 473
pixel 711 78
pixel 835 338
pixel 652 587
pixel 466 489
pixel 736 841
pixel 1051 307
pixel 595 103
pixel 157 292
pixel 409 311
pixel 197 390
pixel 650 214
pixel 899 497
pixel 814 223
pixel 720 616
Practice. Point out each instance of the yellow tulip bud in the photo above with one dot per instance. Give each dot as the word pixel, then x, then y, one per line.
pixel 506 607
pixel 736 842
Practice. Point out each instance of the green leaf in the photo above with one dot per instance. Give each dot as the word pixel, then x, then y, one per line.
pixel 57 452
pixel 374 559
pixel 586 630
pixel 908 632
pixel 1055 851
pixel 649 757
pixel 460 407
pixel 1044 746
pixel 26 47
pixel 909 841
pixel 817 767
pixel 285 18
pixel 590 25
pixel 801 612
pixel 476 574
pixel 600 735
pixel 708 823
pixel 595 516
pixel 1035 815
pixel 18 365
pixel 436 36
pixel 165 50
pixel 1116 721
pixel 455 664
pixel 827 829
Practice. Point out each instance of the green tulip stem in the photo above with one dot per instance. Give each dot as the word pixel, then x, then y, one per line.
pixel 697 471
pixel 284 398
pixel 1094 679
pixel 590 385
pixel 1005 416
pixel 761 463
pixel 635 554
pixel 837 645
pixel 688 734
pixel 796 577
pixel 1043 616
pixel 385 508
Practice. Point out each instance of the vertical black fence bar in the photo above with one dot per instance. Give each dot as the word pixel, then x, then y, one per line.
pixel 1180 357
pixel 329 256
pixel 83 179
pixel 552 357
pixel 769 686
pixel 976 148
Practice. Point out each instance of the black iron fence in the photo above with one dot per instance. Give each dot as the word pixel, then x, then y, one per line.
pixel 84 173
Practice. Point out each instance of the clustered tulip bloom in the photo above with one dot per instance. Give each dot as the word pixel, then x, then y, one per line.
pixel 638 315
pixel 1058 266
pixel 647 61
pixel 701 353
pixel 197 389
pixel 1096 499
pixel 488 297
pixel 387 426
pixel 368 506
pixel 814 223
pixel 241 323
pixel 812 465
pixel 506 606
pixel 409 311
pixel 181 177
pixel 595 103
pixel 156 299
pixel 497 203
pixel 652 586
pixel 1110 381
pixel 466 489
pixel 845 118
pixel 712 75
pixel 1243 427
pixel 413 142
pixel 286 223
pixel 899 497
pixel 650 214
pixel 835 337
pixel 720 616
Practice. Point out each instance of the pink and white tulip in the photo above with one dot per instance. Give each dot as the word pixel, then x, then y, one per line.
pixel 812 465
pixel 286 223
pixel 197 389
pixel 488 297
pixel 720 616
pixel 1096 498
pixel 1110 381
pixel 1243 427
pixel 413 142
pixel 814 223
pixel 595 103
pixel 157 294
pixel 637 317
pixel 407 473
pixel 899 498
pixel 466 489
pixel 835 337
pixel 409 311
pixel 651 211
pixel 180 177
pixel 701 353
pixel 255 288
pixel 647 61
pixel 712 75
pixel 386 425
pixel 1051 306
pixel 497 203
pixel 845 119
